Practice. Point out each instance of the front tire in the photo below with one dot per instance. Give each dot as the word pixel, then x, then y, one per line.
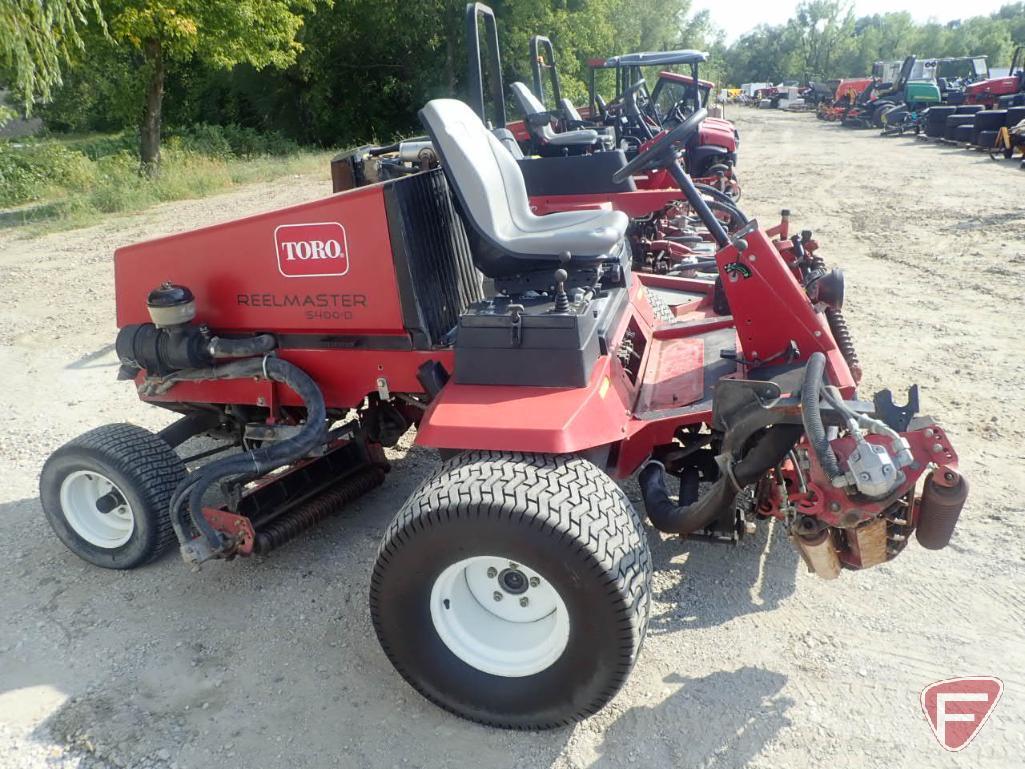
pixel 513 589
pixel 107 493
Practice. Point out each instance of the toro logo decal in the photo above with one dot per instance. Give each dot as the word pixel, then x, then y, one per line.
pixel 317 250
pixel 957 708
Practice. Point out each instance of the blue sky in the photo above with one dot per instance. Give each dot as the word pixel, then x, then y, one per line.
pixel 736 17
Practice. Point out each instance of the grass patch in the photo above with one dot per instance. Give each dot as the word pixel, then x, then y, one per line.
pixel 75 181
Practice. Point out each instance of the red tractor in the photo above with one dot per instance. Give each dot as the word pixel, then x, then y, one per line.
pixel 994 91
pixel 513 586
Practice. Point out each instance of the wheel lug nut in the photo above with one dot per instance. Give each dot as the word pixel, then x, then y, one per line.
pixel 534 581
pixel 492 572
pixel 524 601
pixel 513 566
pixel 498 595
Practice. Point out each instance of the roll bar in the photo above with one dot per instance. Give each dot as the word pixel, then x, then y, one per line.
pixel 542 56
pixel 475 66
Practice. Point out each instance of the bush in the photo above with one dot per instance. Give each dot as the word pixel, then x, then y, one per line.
pixel 32 171
pixel 75 180
pixel 232 141
pixel 96 146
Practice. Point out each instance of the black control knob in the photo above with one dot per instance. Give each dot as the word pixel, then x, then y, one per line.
pixel 561 298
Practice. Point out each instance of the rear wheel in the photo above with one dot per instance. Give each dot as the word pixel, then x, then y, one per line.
pixel 513 589
pixel 107 493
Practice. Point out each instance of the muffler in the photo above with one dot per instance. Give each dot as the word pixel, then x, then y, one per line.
pixel 940 508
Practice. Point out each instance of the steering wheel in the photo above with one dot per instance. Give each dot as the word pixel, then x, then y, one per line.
pixel 663 151
pixel 633 109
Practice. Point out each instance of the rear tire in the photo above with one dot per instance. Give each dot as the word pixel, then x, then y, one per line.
pixel 574 536
pixel 124 468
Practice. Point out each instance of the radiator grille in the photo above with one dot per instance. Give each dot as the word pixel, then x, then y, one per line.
pixel 429 242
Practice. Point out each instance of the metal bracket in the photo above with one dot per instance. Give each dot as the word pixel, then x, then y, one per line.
pixel 897 417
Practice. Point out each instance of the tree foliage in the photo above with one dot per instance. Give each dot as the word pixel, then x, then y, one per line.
pixel 824 39
pixel 359 70
pixel 217 33
pixel 36 38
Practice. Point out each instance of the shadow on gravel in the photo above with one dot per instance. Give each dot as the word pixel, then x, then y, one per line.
pixel 272 662
pixel 720 721
pixel 89 359
pixel 716 583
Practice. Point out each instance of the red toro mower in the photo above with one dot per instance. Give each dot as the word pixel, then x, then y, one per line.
pixel 639 116
pixel 513 586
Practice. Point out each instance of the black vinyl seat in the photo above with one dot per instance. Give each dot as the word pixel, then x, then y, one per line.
pixel 507 238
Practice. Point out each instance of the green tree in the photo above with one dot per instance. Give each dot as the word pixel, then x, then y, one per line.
pixel 220 33
pixel 36 38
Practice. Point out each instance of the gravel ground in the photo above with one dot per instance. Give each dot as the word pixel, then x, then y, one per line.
pixel 749 661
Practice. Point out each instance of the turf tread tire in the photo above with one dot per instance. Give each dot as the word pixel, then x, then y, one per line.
pixel 563 496
pixel 152 470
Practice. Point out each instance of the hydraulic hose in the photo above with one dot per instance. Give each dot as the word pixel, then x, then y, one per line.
pixel 187 501
pixel 694 514
pixel 811 415
pixel 242 348
pixel 726 201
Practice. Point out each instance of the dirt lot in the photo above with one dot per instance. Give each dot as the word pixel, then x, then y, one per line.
pixel 749 661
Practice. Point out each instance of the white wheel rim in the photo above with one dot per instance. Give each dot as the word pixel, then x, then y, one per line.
pixel 498 622
pixel 79 493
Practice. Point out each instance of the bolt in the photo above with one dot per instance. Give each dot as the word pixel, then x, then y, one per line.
pixel 865 476
pixel 524 601
pixel 834 506
pixel 513 566
pixel 534 581
pixel 929 433
pixel 937 448
pixel 497 595
pixel 492 572
pixel 949 476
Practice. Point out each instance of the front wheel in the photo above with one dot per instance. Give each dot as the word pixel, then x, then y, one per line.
pixel 513 589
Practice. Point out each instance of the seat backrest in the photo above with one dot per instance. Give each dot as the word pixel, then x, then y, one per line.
pixel 569 110
pixel 505 136
pixel 486 177
pixel 530 105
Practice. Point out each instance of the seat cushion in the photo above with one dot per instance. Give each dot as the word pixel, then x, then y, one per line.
pixel 593 232
pixel 583 136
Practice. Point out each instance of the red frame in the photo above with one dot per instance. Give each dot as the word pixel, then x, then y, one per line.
pixel 628 412
pixel 229 262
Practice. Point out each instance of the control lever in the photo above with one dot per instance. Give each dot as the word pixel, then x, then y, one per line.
pixel 561 276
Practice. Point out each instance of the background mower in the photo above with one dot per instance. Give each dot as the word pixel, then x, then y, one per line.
pixel 513 585
pixel 665 234
pixel 1003 92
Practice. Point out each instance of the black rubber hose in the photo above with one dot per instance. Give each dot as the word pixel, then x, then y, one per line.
pixel 689 517
pixel 811 415
pixel 727 202
pixel 258 461
pixel 248 347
